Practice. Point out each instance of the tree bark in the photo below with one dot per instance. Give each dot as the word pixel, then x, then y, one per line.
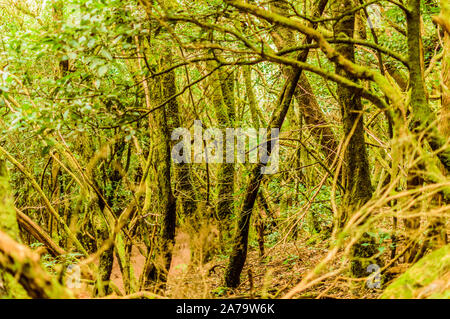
pixel 37 232
pixel 22 263
pixel 423 117
pixel 161 87
pixel 184 190
pixel 9 225
pixel 356 174
pixel 420 113
pixel 445 84
pixel 222 83
pixel 438 232
pixel 240 241
pixel 253 105
pixel 320 128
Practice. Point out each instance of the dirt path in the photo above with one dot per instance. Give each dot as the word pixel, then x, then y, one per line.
pixel 178 266
pixel 181 257
pixel 137 261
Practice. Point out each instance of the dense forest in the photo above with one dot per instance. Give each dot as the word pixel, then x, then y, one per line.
pixel 224 149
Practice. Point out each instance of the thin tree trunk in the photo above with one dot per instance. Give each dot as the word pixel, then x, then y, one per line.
pixel 106 258
pixel 253 105
pixel 240 241
pixel 444 123
pixel 320 128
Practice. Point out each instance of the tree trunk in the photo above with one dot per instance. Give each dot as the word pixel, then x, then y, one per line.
pixel 356 174
pixel 8 225
pixel 357 182
pixel 240 241
pixel 161 87
pixel 184 190
pixel 309 107
pixel 444 123
pixel 438 231
pixel 423 117
pixel 420 112
pixel 252 102
pixel 23 264
pixel 222 83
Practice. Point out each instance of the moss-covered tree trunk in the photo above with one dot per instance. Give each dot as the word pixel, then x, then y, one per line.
pixel 252 102
pixel 23 265
pixel 240 239
pixel 222 83
pixel 8 225
pixel 103 212
pixel 428 278
pixel 309 107
pixel 184 188
pixel 356 174
pixel 161 87
pixel 438 231
pixel 101 227
pixel 420 112
pixel 445 85
pixel 423 119
pixel 8 219
pixel 106 258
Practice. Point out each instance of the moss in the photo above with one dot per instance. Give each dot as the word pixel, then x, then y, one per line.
pixel 8 224
pixel 224 107
pixel 13 288
pixel 421 275
pixel 124 255
pixel 362 256
pixel 106 257
pixel 8 221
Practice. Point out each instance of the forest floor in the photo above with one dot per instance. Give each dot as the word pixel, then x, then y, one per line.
pixel 267 277
pixel 271 276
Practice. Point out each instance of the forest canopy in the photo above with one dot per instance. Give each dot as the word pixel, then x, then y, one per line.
pixel 224 149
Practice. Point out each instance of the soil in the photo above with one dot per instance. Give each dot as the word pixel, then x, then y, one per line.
pixel 267 277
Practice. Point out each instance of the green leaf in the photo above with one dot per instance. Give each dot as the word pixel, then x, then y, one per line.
pixel 102 70
pixel 106 54
pixel 72 55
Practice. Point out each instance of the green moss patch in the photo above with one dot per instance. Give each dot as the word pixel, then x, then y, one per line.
pixel 428 278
